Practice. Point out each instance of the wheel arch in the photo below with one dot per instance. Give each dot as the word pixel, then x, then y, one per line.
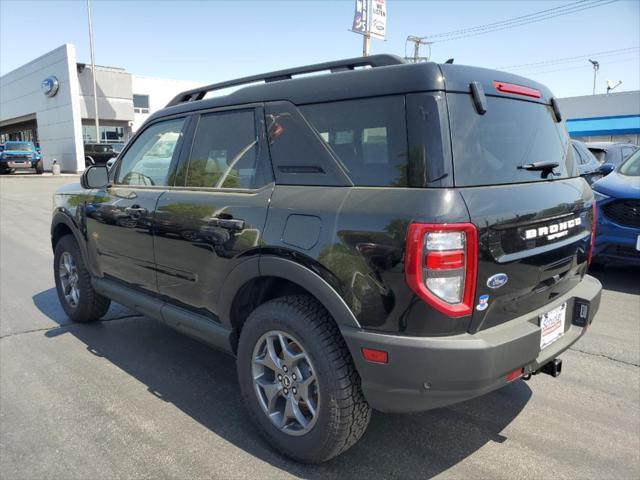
pixel 62 224
pixel 259 280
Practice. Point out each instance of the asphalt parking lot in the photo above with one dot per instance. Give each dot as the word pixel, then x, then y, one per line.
pixel 130 398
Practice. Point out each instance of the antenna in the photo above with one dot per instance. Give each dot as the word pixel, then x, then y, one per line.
pixel 611 85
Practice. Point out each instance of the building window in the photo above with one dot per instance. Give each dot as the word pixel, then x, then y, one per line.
pixel 108 134
pixel 140 103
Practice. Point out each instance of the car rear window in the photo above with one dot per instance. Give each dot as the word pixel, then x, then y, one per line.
pixel 368 136
pixel 489 148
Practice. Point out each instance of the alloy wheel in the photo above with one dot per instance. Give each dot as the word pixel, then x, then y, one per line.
pixel 68 273
pixel 285 382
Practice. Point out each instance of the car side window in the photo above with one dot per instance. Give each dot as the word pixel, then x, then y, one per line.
pixel 147 161
pixel 368 136
pixel 224 153
pixel 627 152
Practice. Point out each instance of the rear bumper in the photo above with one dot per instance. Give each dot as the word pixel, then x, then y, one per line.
pixel 430 372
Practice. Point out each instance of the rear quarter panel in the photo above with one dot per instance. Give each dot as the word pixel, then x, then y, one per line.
pixel 357 243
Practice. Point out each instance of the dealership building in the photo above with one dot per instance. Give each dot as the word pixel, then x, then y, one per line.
pixel 50 101
pixel 613 117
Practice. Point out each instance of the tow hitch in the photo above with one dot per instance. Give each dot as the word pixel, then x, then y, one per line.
pixel 553 368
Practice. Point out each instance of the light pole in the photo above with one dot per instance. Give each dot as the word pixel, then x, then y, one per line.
pixel 596 66
pixel 93 72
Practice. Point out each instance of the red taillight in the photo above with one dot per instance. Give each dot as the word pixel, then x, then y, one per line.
pixel 516 89
pixel 445 260
pixel 593 234
pixel 441 264
pixel 515 374
pixel 375 356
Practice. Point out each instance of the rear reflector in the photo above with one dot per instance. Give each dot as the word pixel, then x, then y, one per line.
pixel 516 89
pixel 375 356
pixel 515 374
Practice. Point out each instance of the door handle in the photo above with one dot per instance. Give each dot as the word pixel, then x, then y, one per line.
pixel 228 223
pixel 136 211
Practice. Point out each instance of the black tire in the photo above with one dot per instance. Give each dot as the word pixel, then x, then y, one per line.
pixel 91 305
pixel 39 169
pixel 343 413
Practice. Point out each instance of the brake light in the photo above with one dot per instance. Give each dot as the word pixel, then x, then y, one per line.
pixel 441 265
pixel 593 234
pixel 516 89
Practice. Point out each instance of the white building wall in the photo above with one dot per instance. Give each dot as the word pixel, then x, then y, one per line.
pixel 113 86
pixel 160 92
pixel 58 117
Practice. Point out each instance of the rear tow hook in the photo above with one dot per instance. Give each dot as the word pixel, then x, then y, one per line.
pixel 553 368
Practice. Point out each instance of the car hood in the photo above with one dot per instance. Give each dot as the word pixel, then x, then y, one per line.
pixel 619 186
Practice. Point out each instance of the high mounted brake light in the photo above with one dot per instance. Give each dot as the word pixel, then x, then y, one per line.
pixel 441 265
pixel 516 89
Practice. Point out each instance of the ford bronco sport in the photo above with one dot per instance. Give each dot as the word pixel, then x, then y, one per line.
pixel 386 235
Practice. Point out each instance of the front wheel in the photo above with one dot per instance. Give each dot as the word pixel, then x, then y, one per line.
pixel 298 380
pixel 73 283
pixel 39 168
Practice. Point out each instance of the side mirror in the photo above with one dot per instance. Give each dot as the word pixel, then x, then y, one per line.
pixel 96 176
pixel 606 168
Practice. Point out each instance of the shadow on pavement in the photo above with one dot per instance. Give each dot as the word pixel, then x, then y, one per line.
pixel 618 277
pixel 202 383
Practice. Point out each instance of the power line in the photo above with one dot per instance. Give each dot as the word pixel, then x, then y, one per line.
pixel 518 21
pixel 501 22
pixel 577 58
pixel 579 67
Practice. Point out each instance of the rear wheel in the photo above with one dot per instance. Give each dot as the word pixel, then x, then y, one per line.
pixel 73 283
pixel 298 380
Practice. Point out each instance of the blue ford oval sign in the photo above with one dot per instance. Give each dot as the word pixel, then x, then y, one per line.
pixel 497 280
pixel 50 86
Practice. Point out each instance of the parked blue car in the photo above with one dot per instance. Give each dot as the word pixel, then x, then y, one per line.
pixel 618 213
pixel 20 156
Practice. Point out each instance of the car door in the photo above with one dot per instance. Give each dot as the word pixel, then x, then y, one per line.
pixel 212 219
pixel 119 218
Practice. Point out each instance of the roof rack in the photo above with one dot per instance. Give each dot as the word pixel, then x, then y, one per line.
pixel 335 66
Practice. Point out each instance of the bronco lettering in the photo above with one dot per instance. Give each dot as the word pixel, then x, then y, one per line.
pixel 556 230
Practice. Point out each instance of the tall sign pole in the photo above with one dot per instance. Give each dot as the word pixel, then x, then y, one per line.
pixel 93 72
pixel 366 36
pixel 370 21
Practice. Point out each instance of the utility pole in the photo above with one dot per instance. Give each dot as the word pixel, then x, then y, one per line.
pixel 417 41
pixel 596 67
pixel 93 71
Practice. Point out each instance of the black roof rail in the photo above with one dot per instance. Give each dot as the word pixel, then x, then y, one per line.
pixel 335 66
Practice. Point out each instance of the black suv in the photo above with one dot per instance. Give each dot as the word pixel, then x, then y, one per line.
pixel 98 153
pixel 399 237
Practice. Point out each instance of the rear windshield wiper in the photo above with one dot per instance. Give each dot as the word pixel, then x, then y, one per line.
pixel 539 166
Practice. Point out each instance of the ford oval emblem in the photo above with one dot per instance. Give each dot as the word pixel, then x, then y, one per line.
pixel 50 86
pixel 497 280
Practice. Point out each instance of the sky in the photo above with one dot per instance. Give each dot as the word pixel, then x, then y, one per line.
pixel 210 41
